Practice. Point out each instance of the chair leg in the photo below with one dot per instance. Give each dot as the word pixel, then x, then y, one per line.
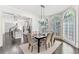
pixel 46 46
pixel 51 42
pixel 31 48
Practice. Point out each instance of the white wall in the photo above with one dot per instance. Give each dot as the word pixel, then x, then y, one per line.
pixel 0 31
pixel 15 11
pixel 9 9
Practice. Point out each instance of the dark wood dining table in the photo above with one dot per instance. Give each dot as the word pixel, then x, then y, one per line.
pixel 39 38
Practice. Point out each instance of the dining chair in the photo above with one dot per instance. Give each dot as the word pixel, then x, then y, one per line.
pixel 52 39
pixel 31 42
pixel 49 40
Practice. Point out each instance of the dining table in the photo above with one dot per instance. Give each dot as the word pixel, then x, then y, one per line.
pixel 39 38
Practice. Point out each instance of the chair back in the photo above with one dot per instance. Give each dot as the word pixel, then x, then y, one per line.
pixel 52 37
pixel 49 37
pixel 29 38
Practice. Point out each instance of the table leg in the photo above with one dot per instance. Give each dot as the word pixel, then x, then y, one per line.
pixel 38 45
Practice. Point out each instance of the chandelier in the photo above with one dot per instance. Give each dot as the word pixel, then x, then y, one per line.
pixel 43 20
pixel 42 11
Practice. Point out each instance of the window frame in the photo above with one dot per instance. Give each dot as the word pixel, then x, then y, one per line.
pixel 69 41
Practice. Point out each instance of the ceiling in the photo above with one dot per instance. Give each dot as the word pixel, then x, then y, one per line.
pixel 36 9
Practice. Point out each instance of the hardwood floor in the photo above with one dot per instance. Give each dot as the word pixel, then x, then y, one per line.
pixel 66 50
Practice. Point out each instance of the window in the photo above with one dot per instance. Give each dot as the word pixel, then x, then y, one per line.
pixel 56 27
pixel 69 26
pixel 43 24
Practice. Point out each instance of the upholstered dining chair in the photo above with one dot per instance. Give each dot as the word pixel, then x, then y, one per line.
pixel 52 38
pixel 49 40
pixel 31 42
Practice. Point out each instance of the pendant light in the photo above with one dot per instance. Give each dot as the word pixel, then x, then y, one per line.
pixel 42 20
pixel 42 12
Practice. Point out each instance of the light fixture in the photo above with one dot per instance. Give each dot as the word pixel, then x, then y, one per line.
pixel 42 12
pixel 43 20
